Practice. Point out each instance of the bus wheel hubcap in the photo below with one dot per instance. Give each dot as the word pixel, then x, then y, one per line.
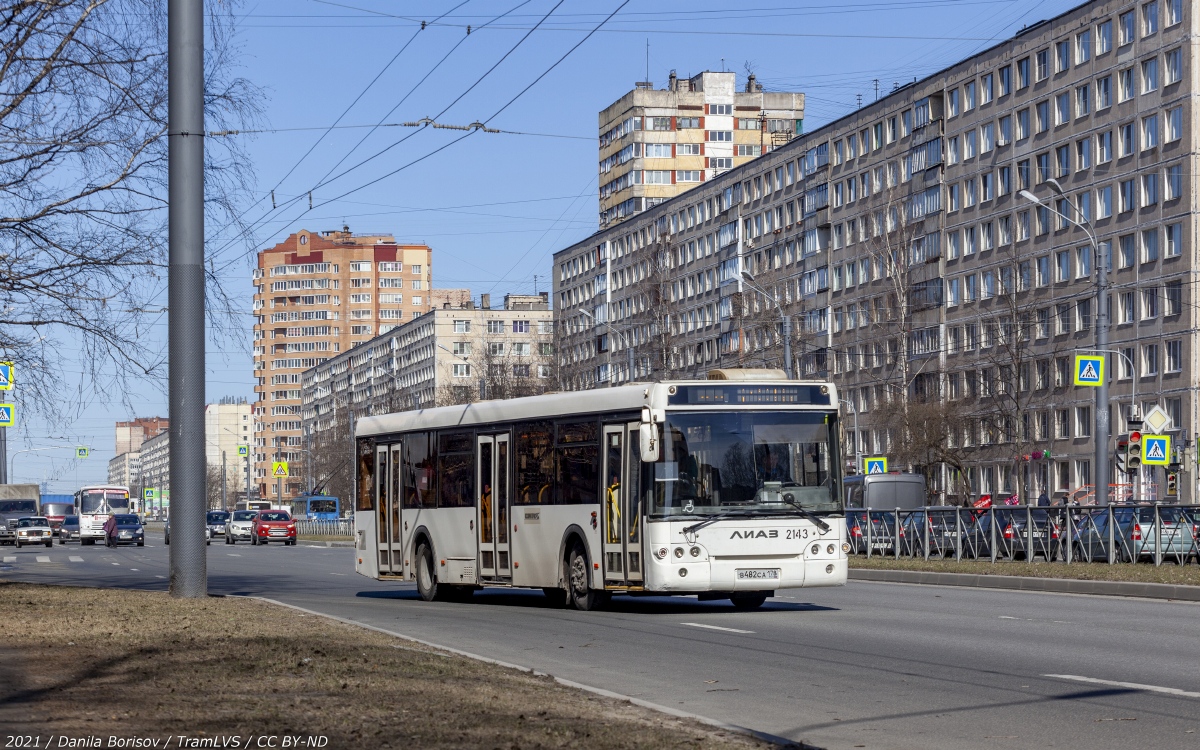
pixel 578 573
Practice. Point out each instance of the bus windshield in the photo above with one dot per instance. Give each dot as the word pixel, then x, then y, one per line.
pixel 100 501
pixel 322 506
pixel 744 463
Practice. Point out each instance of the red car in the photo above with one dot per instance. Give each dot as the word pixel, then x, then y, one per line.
pixel 273 525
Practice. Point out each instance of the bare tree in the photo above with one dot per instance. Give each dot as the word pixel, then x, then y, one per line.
pixel 83 170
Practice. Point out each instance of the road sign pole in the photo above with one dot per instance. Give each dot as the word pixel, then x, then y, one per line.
pixel 1103 429
pixel 3 455
pixel 185 220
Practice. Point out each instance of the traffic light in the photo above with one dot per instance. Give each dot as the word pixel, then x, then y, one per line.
pixel 1122 453
pixel 1172 484
pixel 1133 453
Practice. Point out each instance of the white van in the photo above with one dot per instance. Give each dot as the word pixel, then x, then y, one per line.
pixel 886 491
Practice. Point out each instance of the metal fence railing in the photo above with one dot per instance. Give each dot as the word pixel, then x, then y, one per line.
pixel 330 527
pixel 1117 533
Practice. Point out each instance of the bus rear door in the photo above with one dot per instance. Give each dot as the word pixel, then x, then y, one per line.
pixel 621 511
pixel 491 507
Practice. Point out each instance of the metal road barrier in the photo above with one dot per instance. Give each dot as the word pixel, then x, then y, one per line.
pixel 1156 533
pixel 329 527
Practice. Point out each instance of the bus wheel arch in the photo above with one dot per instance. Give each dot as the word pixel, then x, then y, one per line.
pixel 579 572
pixel 423 563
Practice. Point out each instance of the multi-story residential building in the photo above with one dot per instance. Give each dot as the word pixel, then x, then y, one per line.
pixel 904 243
pixel 315 295
pixel 130 435
pixel 156 470
pixel 656 144
pixel 228 424
pixel 452 355
pixel 124 470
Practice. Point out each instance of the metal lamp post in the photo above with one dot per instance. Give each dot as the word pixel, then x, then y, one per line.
pixel 1103 429
pixel 857 450
pixel 787 322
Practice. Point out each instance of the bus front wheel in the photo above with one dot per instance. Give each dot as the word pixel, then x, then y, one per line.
pixel 582 596
pixel 427 585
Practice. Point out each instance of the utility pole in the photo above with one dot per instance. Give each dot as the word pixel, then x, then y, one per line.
pixel 224 482
pixel 185 177
pixel 1103 428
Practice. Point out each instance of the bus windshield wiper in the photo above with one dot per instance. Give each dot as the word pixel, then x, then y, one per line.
pixel 711 520
pixel 807 513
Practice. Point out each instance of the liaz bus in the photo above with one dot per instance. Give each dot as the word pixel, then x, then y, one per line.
pixel 727 488
pixel 93 504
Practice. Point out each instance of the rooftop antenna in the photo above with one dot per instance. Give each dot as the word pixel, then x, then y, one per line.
pixel 876 89
pixel 535 291
pixel 647 78
pixel 859 97
pixel 722 65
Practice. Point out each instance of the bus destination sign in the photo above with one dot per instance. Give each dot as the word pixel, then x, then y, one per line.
pixel 733 395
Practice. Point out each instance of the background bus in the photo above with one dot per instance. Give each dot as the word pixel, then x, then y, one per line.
pixel 316 508
pixel 717 489
pixel 93 504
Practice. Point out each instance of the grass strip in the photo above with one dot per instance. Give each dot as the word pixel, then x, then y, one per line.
pixel 79 662
pixel 1168 572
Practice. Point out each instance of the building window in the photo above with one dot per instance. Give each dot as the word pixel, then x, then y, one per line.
pixel 1125 28
pixel 461 370
pixel 1104 37
pixel 1150 18
pixel 1174 361
pixel 1150 75
pixel 1173 236
pixel 462 326
pixel 462 348
pixel 1149 360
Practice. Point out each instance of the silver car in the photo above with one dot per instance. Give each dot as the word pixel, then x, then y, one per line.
pixel 240 526
pixel 216 521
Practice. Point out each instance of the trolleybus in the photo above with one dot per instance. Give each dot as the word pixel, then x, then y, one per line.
pixel 723 488
pixel 93 504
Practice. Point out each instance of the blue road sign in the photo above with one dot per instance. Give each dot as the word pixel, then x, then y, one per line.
pixel 1089 369
pixel 6 376
pixel 8 415
pixel 876 465
pixel 1156 450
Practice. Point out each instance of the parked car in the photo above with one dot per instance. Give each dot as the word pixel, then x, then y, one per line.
pixel 34 530
pixel 216 520
pixel 167 533
pixel 69 531
pixel 880 532
pixel 240 526
pixel 1135 535
pixel 1015 538
pixel 277 525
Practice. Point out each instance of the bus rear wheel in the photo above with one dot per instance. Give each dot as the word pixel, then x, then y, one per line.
pixel 748 601
pixel 582 596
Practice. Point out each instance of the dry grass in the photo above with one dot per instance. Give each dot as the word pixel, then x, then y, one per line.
pixel 1168 572
pixel 92 662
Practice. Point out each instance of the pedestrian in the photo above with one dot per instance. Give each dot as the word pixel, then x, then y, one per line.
pixel 110 531
pixel 1043 500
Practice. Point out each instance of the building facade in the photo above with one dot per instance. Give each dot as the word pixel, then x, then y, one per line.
pixel 316 295
pixel 130 435
pixel 656 144
pixel 228 424
pixel 124 470
pixel 449 356
pixel 935 253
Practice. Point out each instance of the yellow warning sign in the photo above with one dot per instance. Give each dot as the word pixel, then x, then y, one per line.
pixel 279 469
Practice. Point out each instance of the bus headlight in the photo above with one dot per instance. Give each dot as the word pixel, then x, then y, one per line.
pixel 828 568
pixel 816 549
pixel 846 547
pixel 695 551
pixel 679 551
pixel 829 549
pixel 660 553
pixel 683 572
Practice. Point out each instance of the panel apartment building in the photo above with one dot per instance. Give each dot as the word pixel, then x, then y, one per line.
pixel 455 354
pixel 902 243
pixel 658 143
pixel 317 294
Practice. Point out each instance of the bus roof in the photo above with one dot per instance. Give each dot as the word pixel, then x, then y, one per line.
pixel 622 398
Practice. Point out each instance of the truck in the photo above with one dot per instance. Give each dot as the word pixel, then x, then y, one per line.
pixel 17 501
pixel 56 508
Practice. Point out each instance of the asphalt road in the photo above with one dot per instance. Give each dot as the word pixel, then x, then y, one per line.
pixel 869 665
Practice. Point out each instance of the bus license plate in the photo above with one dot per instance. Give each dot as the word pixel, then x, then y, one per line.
pixel 758 574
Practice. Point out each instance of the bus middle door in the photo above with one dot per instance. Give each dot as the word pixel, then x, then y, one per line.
pixel 491 507
pixel 620 508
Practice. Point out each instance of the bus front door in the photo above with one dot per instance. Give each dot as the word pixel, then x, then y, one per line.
pixel 622 532
pixel 394 488
pixel 491 507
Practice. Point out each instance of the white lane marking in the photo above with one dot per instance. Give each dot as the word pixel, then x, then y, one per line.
pixel 1131 685
pixel 75 558
pixel 231 554
pixel 1006 617
pixel 716 627
pixel 10 558
pixel 133 568
pixel 160 576
pixel 116 563
pixel 43 558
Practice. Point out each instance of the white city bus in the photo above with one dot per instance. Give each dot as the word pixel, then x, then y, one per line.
pixel 93 504
pixel 726 489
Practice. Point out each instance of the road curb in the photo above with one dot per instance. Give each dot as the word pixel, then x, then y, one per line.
pixel 1027 583
pixel 782 742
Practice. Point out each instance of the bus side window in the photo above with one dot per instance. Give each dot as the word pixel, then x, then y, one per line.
pixel 366 478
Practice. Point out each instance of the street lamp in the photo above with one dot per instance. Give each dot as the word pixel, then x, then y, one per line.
pixel 787 323
pixel 1103 428
pixel 12 461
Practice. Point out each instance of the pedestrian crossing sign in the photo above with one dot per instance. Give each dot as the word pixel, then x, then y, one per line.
pixel 1089 369
pixel 82 452
pixel 8 415
pixel 243 450
pixel 877 465
pixel 279 469
pixel 148 493
pixel 6 376
pixel 1156 450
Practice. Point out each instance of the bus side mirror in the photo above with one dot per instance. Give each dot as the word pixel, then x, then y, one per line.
pixel 648 440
